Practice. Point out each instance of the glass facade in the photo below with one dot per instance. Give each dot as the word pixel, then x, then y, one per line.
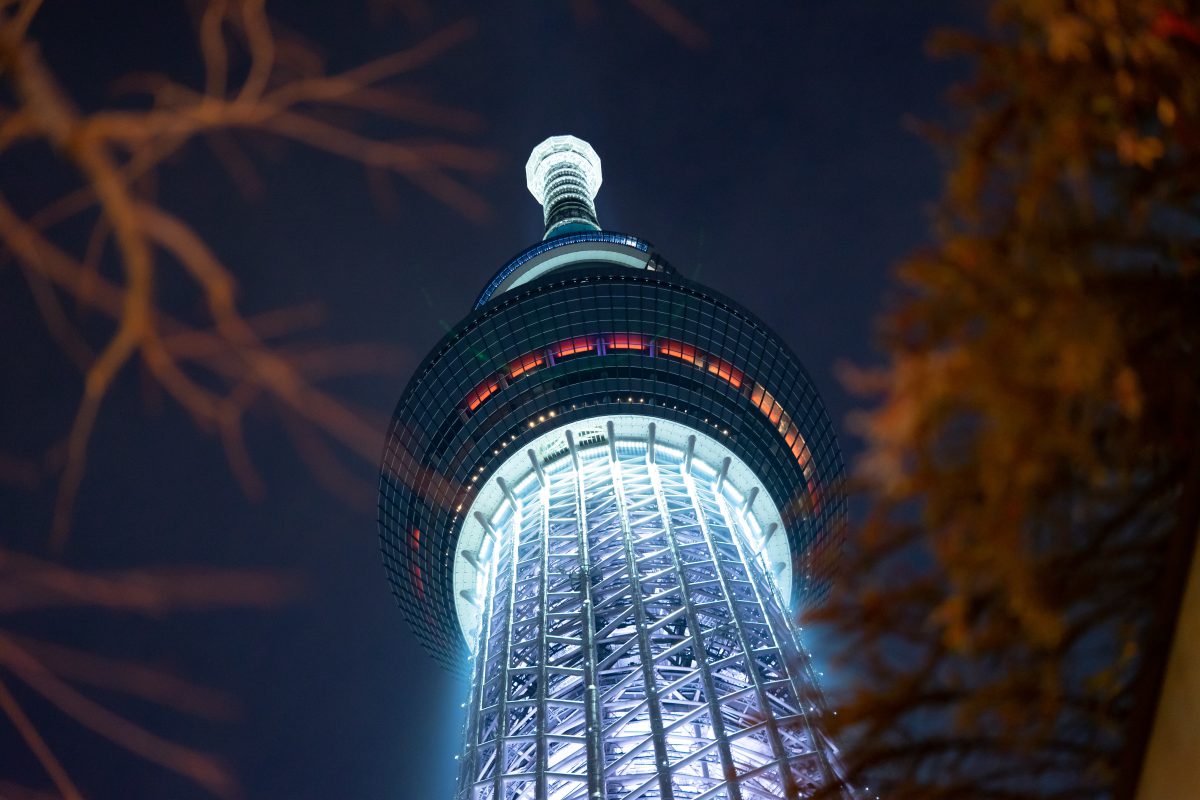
pixel 439 451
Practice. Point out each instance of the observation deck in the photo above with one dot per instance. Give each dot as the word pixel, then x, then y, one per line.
pixel 589 325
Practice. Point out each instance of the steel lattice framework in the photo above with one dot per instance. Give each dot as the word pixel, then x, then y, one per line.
pixel 633 643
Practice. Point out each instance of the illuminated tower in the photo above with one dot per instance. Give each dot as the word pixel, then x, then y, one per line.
pixel 601 494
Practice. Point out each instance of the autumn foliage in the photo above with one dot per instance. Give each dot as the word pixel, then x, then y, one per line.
pixel 1033 462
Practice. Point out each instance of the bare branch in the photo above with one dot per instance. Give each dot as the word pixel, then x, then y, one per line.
pixel 131 678
pixel 36 584
pixel 671 20
pixel 117 151
pixel 54 768
pixel 199 767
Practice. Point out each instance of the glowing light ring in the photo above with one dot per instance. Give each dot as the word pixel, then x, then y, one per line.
pixel 518 474
pixel 665 348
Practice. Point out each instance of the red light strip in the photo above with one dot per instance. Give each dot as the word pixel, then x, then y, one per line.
pixel 684 352
pixel 525 363
pixel 668 348
pixel 570 347
pixel 628 341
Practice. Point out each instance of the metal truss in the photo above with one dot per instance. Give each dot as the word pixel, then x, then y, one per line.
pixel 632 645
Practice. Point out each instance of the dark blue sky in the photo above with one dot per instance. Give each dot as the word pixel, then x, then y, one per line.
pixel 772 164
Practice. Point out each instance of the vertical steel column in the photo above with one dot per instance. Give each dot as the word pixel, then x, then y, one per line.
pixel 468 767
pixel 743 639
pixel 778 626
pixel 701 659
pixel 506 647
pixel 647 656
pixel 543 655
pixel 594 730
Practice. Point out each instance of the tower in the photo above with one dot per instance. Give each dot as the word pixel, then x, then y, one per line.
pixel 603 493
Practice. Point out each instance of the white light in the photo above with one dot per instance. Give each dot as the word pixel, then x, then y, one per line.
pixel 593 454
pixel 563 174
pixel 559 151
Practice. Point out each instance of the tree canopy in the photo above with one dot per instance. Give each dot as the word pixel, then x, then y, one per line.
pixel 1033 461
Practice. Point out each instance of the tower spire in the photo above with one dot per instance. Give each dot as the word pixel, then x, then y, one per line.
pixel 563 174
pixel 605 549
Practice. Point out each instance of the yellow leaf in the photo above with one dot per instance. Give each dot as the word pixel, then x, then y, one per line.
pixel 1166 111
pixel 1129 393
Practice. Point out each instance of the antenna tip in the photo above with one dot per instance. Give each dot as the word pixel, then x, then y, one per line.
pixel 560 151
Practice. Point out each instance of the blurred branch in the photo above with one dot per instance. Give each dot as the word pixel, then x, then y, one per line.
pixel 201 768
pixel 115 150
pixel 28 584
pixel 130 678
pixel 258 81
pixel 32 583
pixel 16 715
pixel 662 13
pixel 673 21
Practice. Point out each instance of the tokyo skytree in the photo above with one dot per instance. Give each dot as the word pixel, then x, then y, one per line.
pixel 604 495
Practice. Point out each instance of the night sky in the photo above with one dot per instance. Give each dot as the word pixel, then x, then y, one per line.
pixel 773 164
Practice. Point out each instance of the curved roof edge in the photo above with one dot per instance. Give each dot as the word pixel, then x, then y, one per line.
pixel 572 248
